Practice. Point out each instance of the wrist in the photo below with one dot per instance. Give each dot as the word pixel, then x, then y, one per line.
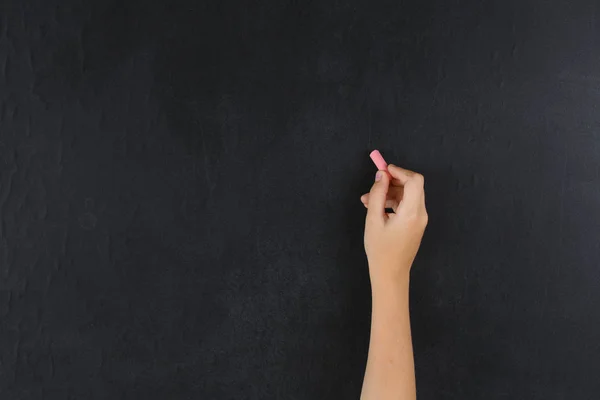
pixel 390 296
pixel 395 281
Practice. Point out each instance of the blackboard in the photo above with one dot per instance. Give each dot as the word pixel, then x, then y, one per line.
pixel 180 183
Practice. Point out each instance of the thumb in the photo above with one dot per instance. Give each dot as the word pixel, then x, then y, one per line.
pixel 377 196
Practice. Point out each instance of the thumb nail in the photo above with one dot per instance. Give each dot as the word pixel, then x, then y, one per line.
pixel 378 176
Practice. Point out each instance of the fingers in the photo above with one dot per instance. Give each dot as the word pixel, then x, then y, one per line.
pixel 413 183
pixel 414 193
pixel 389 203
pixel 406 191
pixel 377 198
pixel 394 196
pixel 399 175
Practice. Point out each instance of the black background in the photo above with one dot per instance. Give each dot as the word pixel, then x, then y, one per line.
pixel 180 182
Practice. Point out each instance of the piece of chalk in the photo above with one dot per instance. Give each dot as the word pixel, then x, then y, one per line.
pixel 378 160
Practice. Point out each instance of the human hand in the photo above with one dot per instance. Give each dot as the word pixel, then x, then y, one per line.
pixel 393 239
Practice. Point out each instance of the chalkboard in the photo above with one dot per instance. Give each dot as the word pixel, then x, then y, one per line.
pixel 180 183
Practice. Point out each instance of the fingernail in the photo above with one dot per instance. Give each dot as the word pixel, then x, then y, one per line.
pixel 378 176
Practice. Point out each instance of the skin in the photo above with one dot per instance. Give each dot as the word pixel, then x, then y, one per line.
pixel 391 243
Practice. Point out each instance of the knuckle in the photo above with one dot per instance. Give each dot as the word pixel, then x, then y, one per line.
pixel 418 178
pixel 417 219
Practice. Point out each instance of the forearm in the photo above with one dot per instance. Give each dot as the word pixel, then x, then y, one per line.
pixel 390 370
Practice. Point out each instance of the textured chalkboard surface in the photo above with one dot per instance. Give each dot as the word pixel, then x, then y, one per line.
pixel 180 182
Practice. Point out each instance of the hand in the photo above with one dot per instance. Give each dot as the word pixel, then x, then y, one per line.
pixel 393 239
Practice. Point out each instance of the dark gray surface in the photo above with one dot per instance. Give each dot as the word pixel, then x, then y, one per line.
pixel 180 182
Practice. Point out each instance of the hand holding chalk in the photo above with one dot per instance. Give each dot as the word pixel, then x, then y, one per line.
pixel 393 239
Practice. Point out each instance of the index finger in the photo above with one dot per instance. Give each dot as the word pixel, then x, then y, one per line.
pixel 413 192
pixel 400 176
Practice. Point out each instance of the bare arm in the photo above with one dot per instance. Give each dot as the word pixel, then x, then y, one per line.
pixel 391 243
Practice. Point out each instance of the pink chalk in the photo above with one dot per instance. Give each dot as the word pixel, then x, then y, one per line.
pixel 378 160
